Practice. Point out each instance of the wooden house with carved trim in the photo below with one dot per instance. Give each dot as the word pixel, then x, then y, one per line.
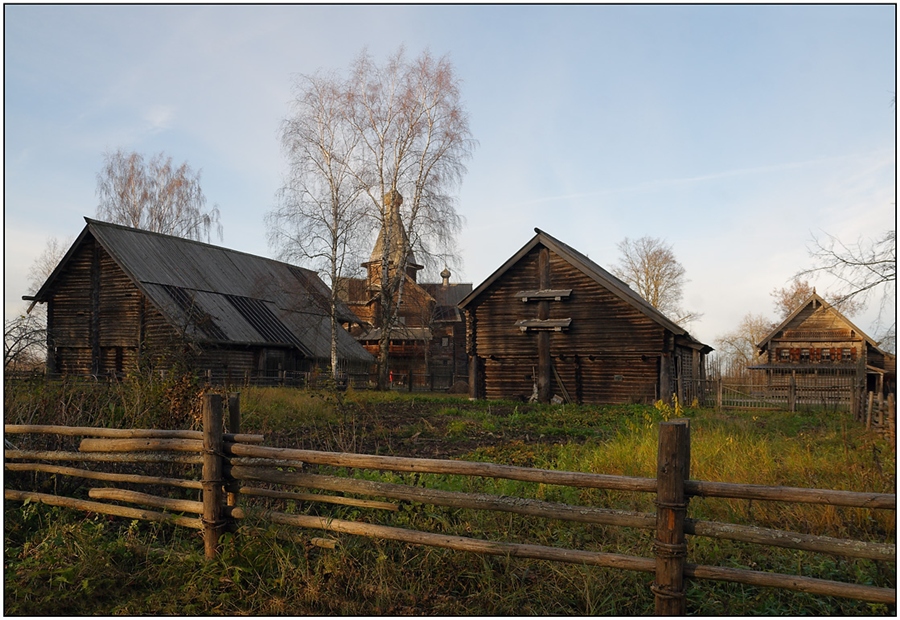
pixel 122 297
pixel 551 322
pixel 816 342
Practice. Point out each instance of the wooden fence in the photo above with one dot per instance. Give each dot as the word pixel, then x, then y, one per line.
pixel 404 381
pixel 836 393
pixel 232 462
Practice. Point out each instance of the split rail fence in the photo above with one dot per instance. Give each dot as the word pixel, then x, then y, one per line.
pixel 232 465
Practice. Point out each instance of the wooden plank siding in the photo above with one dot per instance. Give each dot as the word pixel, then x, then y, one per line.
pixel 71 316
pixel 123 295
pixel 818 345
pixel 610 352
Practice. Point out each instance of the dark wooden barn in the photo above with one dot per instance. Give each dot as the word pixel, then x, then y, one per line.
pixel 122 297
pixel 551 322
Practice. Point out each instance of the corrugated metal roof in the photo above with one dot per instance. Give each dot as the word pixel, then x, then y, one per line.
pixel 225 296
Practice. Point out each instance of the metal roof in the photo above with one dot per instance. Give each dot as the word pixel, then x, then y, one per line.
pixel 224 296
pixel 593 271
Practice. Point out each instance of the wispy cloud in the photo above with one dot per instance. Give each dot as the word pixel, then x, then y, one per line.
pixel 159 117
pixel 881 157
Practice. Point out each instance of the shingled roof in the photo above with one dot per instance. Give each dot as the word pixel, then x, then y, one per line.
pixel 241 298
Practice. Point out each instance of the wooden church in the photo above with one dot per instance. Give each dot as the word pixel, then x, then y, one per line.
pixel 552 324
pixel 427 339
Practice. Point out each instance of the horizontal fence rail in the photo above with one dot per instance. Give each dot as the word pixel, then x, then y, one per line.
pixel 235 465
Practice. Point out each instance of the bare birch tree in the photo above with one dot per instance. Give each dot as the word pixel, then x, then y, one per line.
pixel 154 195
pixel 319 213
pixel 396 137
pixel 649 266
pixel 415 139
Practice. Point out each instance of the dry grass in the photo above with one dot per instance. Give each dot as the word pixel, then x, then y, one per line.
pixel 61 562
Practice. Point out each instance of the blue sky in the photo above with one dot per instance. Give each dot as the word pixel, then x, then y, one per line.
pixel 734 133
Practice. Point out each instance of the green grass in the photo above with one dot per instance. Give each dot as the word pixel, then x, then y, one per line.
pixel 60 562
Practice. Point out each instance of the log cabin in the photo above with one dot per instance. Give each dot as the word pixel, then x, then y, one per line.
pixel 552 323
pixel 816 341
pixel 122 297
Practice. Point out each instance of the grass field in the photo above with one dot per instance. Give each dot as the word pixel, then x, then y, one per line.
pixel 64 562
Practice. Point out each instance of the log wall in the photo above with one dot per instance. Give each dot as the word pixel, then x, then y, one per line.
pixel 102 324
pixel 609 354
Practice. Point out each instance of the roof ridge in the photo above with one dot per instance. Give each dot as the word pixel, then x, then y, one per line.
pixel 101 223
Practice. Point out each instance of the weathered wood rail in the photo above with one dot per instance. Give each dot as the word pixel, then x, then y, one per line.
pixel 232 462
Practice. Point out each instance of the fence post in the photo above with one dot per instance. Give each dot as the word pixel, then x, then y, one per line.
pixel 891 419
pixel 213 477
pixel 672 469
pixel 792 394
pixel 233 486
pixel 869 411
pixel 719 394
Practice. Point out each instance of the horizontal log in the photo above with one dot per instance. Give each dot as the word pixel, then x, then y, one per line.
pixel 102 508
pixel 250 462
pixel 461 543
pixel 792 540
pixel 584 514
pixel 130 433
pixel 811 585
pixel 441 466
pixel 312 497
pixel 610 560
pixel 104 457
pixel 477 501
pixel 102 475
pixel 790 494
pixel 134 497
pixel 140 445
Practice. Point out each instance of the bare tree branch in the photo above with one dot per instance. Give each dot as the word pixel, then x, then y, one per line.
pixel 861 269
pixel 24 342
pixel 789 298
pixel 320 214
pixel 649 266
pixel 381 152
pixel 737 349
pixel 154 196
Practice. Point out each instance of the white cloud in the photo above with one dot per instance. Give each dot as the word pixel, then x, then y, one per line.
pixel 159 117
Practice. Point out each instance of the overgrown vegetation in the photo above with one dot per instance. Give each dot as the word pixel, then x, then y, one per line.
pixel 65 562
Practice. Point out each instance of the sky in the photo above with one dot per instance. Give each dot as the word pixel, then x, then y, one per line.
pixel 734 133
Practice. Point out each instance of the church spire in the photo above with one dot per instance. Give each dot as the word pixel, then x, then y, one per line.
pixel 393 228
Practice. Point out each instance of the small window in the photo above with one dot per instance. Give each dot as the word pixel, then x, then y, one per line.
pixel 804 356
pixel 445 342
pixel 785 355
pixel 826 355
pixel 846 355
